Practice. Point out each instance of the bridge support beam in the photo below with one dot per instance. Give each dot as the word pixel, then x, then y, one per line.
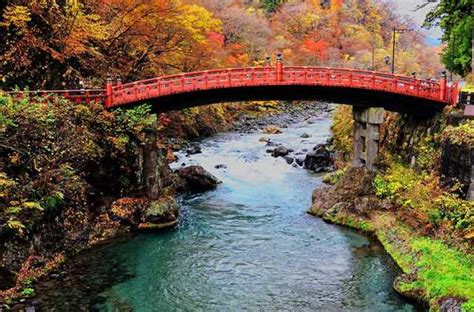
pixel 151 174
pixel 367 123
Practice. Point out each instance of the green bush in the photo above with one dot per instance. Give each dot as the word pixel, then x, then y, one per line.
pixel 52 150
pixel 333 177
pixel 462 134
pixel 342 129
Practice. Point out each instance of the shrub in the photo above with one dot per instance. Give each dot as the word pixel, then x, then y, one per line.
pixel 51 149
pixel 462 134
pixel 342 129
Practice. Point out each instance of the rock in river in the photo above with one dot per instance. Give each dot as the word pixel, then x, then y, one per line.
pixel 280 151
pixel 272 130
pixel 196 178
pixel 194 149
pixel 161 211
pixel 319 160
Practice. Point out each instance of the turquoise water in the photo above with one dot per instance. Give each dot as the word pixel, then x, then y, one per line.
pixel 247 246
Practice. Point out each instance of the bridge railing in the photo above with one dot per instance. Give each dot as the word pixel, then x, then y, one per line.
pixel 259 76
pixel 77 96
pixel 140 91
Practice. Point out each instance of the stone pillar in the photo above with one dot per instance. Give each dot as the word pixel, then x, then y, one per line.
pixel 151 172
pixel 367 123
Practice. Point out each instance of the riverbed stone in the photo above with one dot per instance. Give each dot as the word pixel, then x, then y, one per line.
pixel 272 130
pixel 194 149
pixel 280 151
pixel 163 210
pixel 319 160
pixel 196 178
pixel 289 159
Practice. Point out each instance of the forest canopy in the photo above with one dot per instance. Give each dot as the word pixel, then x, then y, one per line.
pixel 59 43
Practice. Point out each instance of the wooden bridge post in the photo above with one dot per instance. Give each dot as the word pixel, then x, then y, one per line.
pixel 367 123
pixel 279 68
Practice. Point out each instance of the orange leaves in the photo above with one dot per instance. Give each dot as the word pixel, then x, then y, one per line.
pixel 215 37
pixel 317 48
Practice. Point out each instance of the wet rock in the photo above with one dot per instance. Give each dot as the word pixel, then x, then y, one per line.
pixel 305 135
pixel 264 139
pixel 355 183
pixel 220 166
pixel 163 210
pixel 194 149
pixel 280 151
pixel 319 160
pixel 271 143
pixel 196 178
pixel 269 150
pixel 272 130
pixel 299 160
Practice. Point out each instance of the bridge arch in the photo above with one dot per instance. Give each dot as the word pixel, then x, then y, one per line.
pixel 370 92
pixel 346 86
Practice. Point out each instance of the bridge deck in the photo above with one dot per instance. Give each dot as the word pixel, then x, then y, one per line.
pixel 257 78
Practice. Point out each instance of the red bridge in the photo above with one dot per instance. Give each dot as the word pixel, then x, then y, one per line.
pixel 346 86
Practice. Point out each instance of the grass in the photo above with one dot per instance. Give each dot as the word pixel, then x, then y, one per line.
pixel 444 272
pixel 333 177
pixel 441 271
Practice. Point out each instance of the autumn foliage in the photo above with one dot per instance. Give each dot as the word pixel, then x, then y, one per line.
pixel 61 43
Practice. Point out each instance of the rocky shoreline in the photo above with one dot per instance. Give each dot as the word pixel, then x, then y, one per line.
pixel 125 216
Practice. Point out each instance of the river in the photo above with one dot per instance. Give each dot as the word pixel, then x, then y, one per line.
pixel 248 245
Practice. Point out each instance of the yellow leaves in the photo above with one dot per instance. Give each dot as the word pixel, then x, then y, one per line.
pixel 33 206
pixel 16 15
pixel 16 226
pixel 15 158
pixel 198 22
pixel 82 29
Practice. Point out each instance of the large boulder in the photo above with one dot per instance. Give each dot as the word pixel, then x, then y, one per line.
pixel 319 160
pixel 280 151
pixel 161 211
pixel 128 211
pixel 196 178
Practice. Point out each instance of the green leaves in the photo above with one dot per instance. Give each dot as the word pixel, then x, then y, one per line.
pixel 455 18
pixel 57 154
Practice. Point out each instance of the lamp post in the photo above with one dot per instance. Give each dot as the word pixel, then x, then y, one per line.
pixel 395 32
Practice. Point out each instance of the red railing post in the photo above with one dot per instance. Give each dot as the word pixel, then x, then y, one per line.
pixel 443 87
pixel 279 68
pixel 417 87
pixel 109 90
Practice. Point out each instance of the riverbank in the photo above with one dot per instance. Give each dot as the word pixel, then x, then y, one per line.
pixel 248 243
pixel 56 204
pixel 424 225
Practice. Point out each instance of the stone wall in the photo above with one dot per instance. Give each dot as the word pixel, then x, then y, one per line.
pixel 457 165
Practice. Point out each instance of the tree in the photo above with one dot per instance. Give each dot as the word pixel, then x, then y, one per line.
pixel 39 40
pixel 271 5
pixel 455 18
